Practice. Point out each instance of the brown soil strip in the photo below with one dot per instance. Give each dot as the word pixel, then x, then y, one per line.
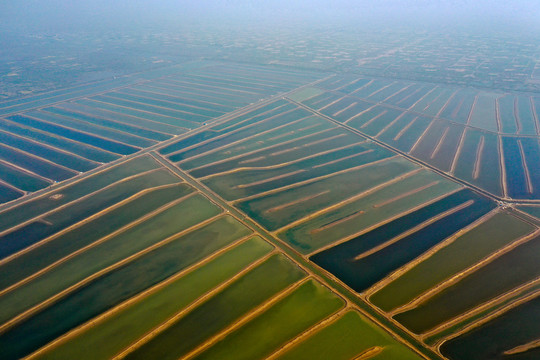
pixel 498 115
pixel 296 202
pixel 406 155
pixel 40 159
pixel 374 119
pixel 12 187
pixel 419 140
pixel 245 77
pixel 397 92
pixel 167 101
pixel 315 179
pixel 458 107
pixel 369 353
pixel 111 95
pixel 50 147
pixel 478 161
pixel 308 127
pixel 345 109
pixel 516 114
pixel 337 222
pixel 347 201
pixel 457 277
pixel 276 166
pixel 248 161
pixel 100 126
pixel 206 86
pixel 350 83
pixel 502 167
pixel 439 144
pixel 245 112
pixel 246 318
pixel 405 268
pixel 519 136
pixel 422 98
pixel 63 293
pixel 381 89
pixel 390 124
pixel 314 105
pixel 311 97
pixel 146 90
pixel 333 102
pixel 113 119
pixel 487 318
pixel 343 158
pixel 446 104
pixel 472 110
pixel 325 140
pixel 86 133
pixel 256 151
pixel 80 223
pixel 431 102
pixel 95 243
pixel 218 120
pixel 359 114
pixel 240 82
pixel 308 144
pixel 519 295
pixel 69 99
pixel 329 151
pixel 140 296
pixel 39 194
pixel 408 96
pixel 226 133
pixel 292 173
pixel 301 261
pixel 165 88
pixel 413 230
pixel 236 88
pixel 523 348
pixel 108 99
pixel 405 128
pixel 307 334
pixel 525 168
pixel 535 115
pixel 43 221
pixel 160 328
pixel 362 87
pixel 306 136
pixel 238 78
pixel 284 151
pixel 406 194
pixel 26 222
pixel 282 135
pixel 30 173
pixel 64 138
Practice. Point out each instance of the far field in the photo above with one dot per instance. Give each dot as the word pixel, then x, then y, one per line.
pixel 139 262
pixel 199 211
pixel 55 136
pixel 404 237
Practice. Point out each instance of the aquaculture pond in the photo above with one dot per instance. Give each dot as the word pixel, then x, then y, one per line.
pixel 364 260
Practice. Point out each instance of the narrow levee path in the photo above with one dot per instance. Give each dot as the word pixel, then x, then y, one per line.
pixel 328 280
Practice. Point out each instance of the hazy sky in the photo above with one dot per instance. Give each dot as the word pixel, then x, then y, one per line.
pixel 59 14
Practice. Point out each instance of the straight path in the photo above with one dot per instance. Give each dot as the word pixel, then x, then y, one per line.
pixel 125 158
pixel 417 161
pixel 328 280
